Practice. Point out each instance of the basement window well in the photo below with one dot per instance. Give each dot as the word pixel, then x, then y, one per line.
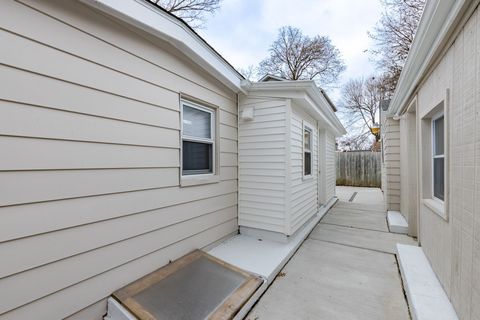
pixel 196 286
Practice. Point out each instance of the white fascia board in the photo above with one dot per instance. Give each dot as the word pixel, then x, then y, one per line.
pixel 436 23
pixel 338 127
pixel 306 90
pixel 168 28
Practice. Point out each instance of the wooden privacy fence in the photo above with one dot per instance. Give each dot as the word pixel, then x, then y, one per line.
pixel 359 169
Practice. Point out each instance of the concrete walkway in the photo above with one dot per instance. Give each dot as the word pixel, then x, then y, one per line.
pixel 346 269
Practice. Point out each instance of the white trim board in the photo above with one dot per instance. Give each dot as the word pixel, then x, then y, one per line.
pixel 427 299
pixel 115 311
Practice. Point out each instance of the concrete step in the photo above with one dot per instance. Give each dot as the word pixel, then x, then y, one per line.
pixel 396 222
pixel 428 300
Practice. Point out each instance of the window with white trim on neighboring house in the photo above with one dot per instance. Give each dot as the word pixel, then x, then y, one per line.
pixel 438 157
pixel 307 151
pixel 198 139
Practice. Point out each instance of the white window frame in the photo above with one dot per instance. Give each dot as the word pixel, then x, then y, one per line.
pixel 427 137
pixel 308 128
pixel 434 156
pixel 199 178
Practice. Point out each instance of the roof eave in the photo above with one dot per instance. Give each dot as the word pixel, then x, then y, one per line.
pixel 168 28
pixel 437 23
pixel 311 94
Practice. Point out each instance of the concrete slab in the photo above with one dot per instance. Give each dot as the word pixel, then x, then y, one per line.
pixel 331 281
pixel 374 240
pixel 360 206
pixel 339 209
pixel 261 256
pixel 346 268
pixel 369 196
pixel 365 220
pixel 425 294
pixel 396 222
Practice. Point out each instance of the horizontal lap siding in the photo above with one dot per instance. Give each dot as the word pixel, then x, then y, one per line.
pixel 391 151
pixel 262 152
pixel 304 190
pixel 89 173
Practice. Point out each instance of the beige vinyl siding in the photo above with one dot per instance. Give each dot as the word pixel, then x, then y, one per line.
pixel 330 174
pixel 304 194
pixel 89 173
pixel 453 246
pixel 391 154
pixel 262 165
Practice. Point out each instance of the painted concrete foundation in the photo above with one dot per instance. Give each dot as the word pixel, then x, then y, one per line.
pixel 396 222
pixel 425 294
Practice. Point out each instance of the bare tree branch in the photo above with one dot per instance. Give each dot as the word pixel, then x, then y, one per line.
pixel 393 37
pixel 360 105
pixel 295 56
pixel 250 72
pixel 191 11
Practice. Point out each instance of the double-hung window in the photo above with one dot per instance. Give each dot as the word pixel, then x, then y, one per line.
pixel 438 157
pixel 307 151
pixel 198 139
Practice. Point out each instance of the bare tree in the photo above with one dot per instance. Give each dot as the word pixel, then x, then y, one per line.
pixel 361 102
pixel 295 56
pixel 191 11
pixel 355 142
pixel 393 37
pixel 250 72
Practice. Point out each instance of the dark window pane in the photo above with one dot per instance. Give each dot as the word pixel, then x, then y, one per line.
pixel 438 178
pixel 197 158
pixel 438 128
pixel 308 163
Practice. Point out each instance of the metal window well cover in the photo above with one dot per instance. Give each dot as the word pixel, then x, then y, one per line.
pixel 196 286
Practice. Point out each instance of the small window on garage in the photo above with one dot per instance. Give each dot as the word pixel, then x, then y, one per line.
pixel 307 151
pixel 198 139
pixel 438 157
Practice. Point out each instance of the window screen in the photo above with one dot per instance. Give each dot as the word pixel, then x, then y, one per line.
pixel 196 286
pixel 438 165
pixel 198 139
pixel 197 123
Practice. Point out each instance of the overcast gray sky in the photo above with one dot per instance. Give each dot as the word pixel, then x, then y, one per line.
pixel 243 30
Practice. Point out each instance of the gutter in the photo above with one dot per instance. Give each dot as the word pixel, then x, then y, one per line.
pixel 439 21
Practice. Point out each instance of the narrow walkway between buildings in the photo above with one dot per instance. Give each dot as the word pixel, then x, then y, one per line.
pixel 346 269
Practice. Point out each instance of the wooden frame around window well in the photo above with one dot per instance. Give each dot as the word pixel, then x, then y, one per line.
pixel 227 310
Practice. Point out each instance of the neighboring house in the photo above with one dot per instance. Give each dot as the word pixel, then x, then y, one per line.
pixel 120 151
pixel 431 134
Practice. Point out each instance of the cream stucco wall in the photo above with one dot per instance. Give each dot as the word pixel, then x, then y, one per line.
pixel 452 243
